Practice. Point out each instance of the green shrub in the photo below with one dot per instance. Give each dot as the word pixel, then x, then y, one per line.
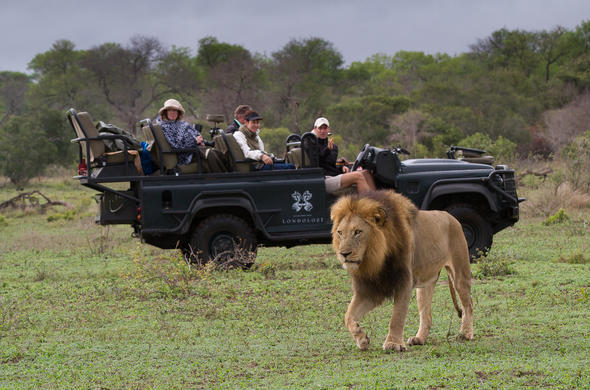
pixel 490 266
pixel 267 269
pixel 3 220
pixel 557 218
pixel 68 215
pixel 502 149
pixel 274 140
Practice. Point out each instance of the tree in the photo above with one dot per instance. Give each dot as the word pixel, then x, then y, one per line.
pixel 13 87
pixel 553 45
pixel 25 149
pixel 303 73
pixel 124 75
pixel 508 48
pixel 182 76
pixel 233 76
pixel 61 81
pixel 368 117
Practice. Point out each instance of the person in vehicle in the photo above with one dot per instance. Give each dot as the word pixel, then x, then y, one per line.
pixel 179 134
pixel 239 118
pixel 338 176
pixel 251 144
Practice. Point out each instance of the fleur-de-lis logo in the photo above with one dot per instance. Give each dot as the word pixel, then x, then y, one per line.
pixel 301 201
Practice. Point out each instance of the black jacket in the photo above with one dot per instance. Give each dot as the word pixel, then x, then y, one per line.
pixel 328 158
pixel 232 128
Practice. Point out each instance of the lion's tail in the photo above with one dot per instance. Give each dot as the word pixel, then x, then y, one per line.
pixel 453 296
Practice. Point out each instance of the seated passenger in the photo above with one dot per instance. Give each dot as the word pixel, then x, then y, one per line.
pixel 239 118
pixel 179 134
pixel 253 147
pixel 338 177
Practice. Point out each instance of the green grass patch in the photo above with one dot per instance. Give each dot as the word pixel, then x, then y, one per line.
pixel 84 306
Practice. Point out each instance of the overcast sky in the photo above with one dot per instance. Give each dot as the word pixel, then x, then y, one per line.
pixel 358 29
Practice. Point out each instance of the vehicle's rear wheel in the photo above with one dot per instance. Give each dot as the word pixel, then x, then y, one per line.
pixel 224 239
pixel 477 230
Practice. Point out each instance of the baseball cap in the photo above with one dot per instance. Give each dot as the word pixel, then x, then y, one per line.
pixel 321 121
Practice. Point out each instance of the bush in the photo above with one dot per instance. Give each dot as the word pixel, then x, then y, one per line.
pixel 577 157
pixel 557 218
pixel 502 149
pixel 490 266
pixel 25 149
pixel 274 140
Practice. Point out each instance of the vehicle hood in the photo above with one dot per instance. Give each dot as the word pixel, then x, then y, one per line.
pixel 441 164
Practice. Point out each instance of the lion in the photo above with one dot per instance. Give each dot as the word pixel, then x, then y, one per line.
pixel 389 247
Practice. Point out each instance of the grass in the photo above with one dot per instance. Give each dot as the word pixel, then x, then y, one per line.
pixel 81 307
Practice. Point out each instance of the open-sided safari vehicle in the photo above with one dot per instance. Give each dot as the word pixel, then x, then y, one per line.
pixel 225 216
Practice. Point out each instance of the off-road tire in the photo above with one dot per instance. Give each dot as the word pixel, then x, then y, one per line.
pixel 225 239
pixel 477 230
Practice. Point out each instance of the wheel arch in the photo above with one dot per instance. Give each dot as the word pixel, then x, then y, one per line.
pixel 441 196
pixel 207 206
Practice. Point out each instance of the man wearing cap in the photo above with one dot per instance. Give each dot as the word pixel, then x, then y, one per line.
pixel 239 118
pixel 328 149
pixel 338 177
pixel 252 145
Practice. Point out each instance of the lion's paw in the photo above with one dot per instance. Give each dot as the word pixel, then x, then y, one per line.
pixel 466 336
pixel 363 343
pixel 391 346
pixel 415 340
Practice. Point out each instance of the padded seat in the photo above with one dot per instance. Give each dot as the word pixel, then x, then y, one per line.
pixel 227 144
pixel 92 147
pixel 163 155
pixel 294 156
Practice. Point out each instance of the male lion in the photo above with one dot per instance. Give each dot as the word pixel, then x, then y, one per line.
pixel 388 246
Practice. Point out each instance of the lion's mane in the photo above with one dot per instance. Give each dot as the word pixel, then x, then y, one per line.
pixel 390 216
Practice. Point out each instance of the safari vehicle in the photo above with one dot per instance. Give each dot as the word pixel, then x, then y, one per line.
pixel 216 215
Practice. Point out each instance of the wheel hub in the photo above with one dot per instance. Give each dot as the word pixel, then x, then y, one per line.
pixel 222 244
pixel 469 233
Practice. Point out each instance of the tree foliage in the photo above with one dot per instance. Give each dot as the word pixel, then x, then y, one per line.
pixel 523 91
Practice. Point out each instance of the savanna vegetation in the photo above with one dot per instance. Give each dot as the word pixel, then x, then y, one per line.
pixel 86 306
pixel 514 92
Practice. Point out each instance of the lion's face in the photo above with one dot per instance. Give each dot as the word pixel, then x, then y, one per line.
pixel 352 239
pixel 359 235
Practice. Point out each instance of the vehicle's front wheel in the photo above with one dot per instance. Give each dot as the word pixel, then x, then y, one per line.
pixel 477 230
pixel 224 239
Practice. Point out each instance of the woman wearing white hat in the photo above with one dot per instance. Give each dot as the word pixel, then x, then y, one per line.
pixel 180 134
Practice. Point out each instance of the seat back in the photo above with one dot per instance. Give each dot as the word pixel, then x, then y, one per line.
pixel 148 136
pixel 295 156
pixel 84 128
pixel 310 157
pixel 164 155
pixel 227 144
pixel 161 149
pixel 293 141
